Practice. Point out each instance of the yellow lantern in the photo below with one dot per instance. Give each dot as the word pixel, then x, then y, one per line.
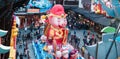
pixel 43 17
pixel 14 32
pixel 98 11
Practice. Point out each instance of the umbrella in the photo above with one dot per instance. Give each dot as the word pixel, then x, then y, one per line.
pixel 2 33
pixel 108 29
pixel 118 38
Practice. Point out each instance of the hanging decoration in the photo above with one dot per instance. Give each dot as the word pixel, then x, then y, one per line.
pixel 112 8
pixel 98 8
pixel 14 33
pixel 43 5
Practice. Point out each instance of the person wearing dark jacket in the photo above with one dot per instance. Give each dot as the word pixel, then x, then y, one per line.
pixel 85 40
pixel 21 56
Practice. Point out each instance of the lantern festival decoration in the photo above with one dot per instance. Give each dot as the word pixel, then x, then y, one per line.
pixel 14 33
pixel 98 9
pixel 43 19
pixel 57 33
pixel 53 43
pixel 43 5
pixel 55 28
pixel 111 7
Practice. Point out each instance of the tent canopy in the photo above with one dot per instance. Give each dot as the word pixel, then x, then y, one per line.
pixel 97 18
pixel 94 17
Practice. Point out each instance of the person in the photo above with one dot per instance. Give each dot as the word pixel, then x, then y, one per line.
pixel 78 42
pixel 93 37
pixel 21 56
pixel 73 39
pixel 91 40
pixel 74 32
pixel 82 50
pixel 26 52
pixel 69 34
pixel 85 40
pixel 95 40
pixel 17 54
pixel 84 32
pixel 20 44
pixel 88 32
pixel 88 38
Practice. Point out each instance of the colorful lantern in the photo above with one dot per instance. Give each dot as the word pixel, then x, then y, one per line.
pixel 14 33
pixel 56 24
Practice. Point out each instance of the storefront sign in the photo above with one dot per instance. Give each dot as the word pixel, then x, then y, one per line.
pixel 33 11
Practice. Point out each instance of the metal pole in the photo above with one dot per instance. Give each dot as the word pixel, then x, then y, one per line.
pixel 115 35
pixel 96 55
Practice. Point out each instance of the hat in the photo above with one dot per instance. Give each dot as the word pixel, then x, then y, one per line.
pixel 58 11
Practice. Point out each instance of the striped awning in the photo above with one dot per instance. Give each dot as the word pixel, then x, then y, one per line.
pixel 3 33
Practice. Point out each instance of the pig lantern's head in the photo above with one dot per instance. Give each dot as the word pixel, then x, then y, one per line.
pixel 57 16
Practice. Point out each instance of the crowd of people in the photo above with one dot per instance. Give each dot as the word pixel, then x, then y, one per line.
pixel 77 21
pixel 89 40
pixel 25 36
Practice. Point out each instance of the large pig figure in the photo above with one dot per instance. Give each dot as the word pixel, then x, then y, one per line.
pixel 55 29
